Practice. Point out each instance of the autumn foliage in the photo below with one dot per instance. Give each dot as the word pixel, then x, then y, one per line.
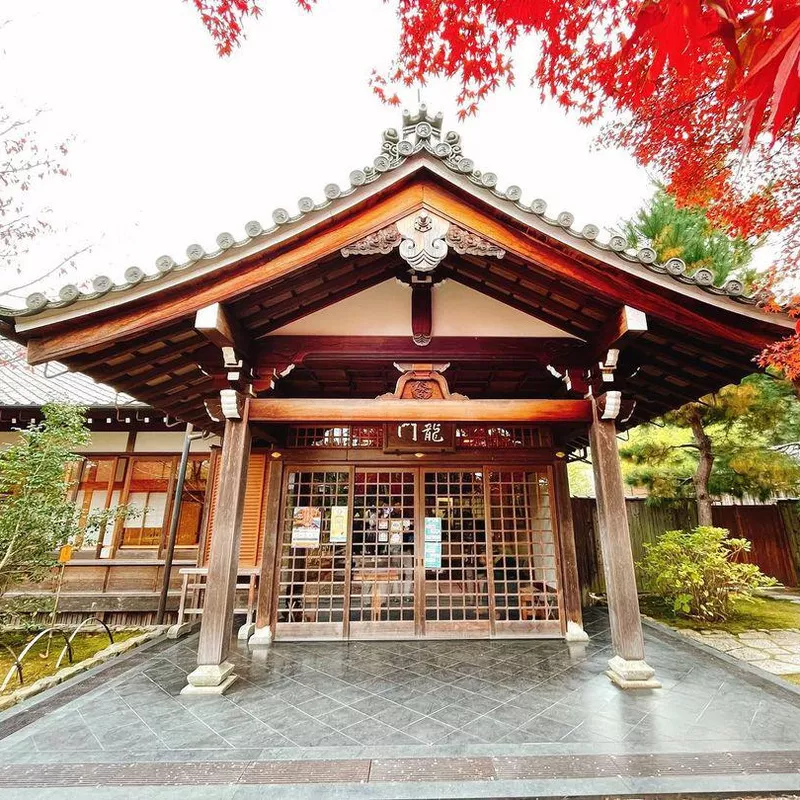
pixel 705 92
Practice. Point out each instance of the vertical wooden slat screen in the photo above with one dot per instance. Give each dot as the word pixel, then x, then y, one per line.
pixel 252 527
pixel 250 548
pixel 212 495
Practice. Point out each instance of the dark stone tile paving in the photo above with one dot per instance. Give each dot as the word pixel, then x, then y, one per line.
pixel 373 700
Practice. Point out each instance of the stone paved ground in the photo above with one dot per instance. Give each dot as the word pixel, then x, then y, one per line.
pixel 453 718
pixel 776 652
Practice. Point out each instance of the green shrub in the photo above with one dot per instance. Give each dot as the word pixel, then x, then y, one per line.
pixel 700 573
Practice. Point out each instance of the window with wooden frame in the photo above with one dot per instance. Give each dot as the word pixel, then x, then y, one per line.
pixel 146 483
pixel 99 486
pixel 150 487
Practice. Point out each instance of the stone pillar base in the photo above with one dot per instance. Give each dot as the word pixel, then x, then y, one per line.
pixel 210 679
pixel 575 633
pixel 261 637
pixel 632 674
pixel 246 631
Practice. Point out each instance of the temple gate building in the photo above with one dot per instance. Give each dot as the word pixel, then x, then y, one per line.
pixel 398 373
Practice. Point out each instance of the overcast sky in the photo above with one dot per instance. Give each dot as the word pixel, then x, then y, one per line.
pixel 174 145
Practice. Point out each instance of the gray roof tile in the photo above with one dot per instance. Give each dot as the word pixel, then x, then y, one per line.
pixel 421 135
pixel 24 385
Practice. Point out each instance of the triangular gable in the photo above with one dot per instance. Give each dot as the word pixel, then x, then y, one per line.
pixel 385 310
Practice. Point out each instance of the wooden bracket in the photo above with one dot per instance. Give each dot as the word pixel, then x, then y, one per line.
pixel 217 324
pixel 612 405
pixel 575 381
pixel 422 382
pixel 213 409
pixel 625 326
pixel 268 375
pixel 232 403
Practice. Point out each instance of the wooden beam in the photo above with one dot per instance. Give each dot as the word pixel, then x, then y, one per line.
pixel 626 325
pixel 529 349
pixel 221 329
pixel 214 671
pixel 360 410
pixel 627 668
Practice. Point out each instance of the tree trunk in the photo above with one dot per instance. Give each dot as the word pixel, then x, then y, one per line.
pixel 703 471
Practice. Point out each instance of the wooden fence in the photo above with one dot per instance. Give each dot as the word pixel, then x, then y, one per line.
pixel 774 531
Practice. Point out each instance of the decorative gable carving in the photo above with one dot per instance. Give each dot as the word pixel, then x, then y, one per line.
pixel 423 239
pixel 379 242
pixel 465 242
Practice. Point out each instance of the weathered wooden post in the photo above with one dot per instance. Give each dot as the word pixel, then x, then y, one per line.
pixel 569 559
pixel 214 673
pixel 263 632
pixel 627 668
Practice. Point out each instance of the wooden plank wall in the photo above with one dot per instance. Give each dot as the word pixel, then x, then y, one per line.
pixel 774 531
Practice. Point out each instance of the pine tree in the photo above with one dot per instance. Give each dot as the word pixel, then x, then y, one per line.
pixel 724 444
pixel 686 233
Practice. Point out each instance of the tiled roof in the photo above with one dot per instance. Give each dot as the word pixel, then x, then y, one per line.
pixel 24 385
pixel 420 136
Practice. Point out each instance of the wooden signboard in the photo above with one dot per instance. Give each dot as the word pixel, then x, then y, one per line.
pixel 420 437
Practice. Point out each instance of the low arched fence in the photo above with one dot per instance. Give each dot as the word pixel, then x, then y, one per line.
pixel 66 651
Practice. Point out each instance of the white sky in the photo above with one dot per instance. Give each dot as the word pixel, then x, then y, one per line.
pixel 174 145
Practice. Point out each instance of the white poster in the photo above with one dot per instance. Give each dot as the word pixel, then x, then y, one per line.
pixel 339 525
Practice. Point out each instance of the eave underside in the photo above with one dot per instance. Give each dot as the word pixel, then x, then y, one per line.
pixel 175 369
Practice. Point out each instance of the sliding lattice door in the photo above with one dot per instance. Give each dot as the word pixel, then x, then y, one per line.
pixel 524 570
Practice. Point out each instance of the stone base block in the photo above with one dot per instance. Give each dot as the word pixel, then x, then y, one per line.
pixel 221 688
pixel 261 637
pixel 246 631
pixel 176 631
pixel 213 677
pixel 632 674
pixel 575 633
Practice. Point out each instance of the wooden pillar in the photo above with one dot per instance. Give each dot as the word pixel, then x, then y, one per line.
pixel 272 529
pixel 627 668
pixel 569 559
pixel 214 673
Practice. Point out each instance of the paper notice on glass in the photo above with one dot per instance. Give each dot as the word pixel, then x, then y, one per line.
pixel 433 529
pixel 306 524
pixel 339 524
pixel 433 555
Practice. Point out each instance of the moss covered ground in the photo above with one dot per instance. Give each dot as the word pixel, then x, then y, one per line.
pixel 41 661
pixel 756 613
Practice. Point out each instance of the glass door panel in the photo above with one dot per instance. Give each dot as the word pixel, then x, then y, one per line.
pixel 382 559
pixel 311 589
pixel 456 590
pixel 524 554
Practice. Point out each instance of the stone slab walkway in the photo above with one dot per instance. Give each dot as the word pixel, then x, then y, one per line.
pixel 774 651
pixel 412 719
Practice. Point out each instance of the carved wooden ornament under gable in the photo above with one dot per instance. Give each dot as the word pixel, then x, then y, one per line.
pixel 422 382
pixel 423 240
